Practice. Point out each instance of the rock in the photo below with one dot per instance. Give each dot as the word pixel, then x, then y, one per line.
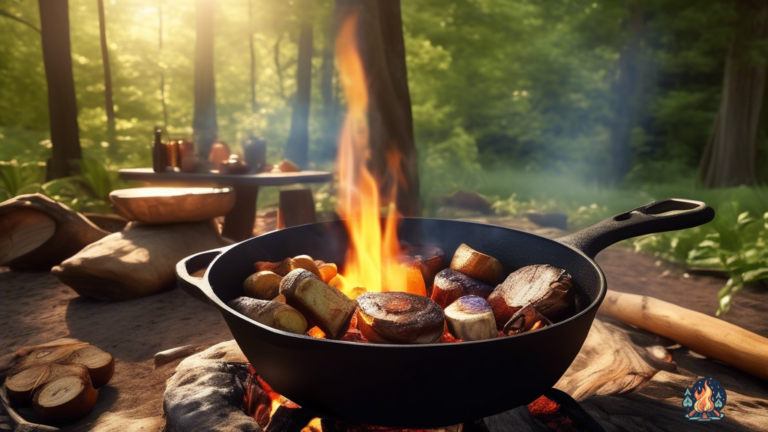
pixel 549 220
pixel 466 200
pixel 135 262
pixel 206 392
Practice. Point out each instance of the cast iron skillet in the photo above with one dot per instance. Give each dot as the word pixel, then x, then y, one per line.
pixel 424 385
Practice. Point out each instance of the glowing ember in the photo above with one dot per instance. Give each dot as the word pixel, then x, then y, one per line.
pixel 371 260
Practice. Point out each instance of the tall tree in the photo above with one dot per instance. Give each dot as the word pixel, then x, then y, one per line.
pixel 390 121
pixel 110 107
pixel 161 65
pixel 625 89
pixel 204 123
pixel 729 158
pixel 252 52
pixel 62 107
pixel 297 149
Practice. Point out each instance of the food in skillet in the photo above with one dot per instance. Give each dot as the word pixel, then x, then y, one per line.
pixel 473 298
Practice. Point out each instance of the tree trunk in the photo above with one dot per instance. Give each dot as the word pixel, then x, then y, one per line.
pixel 380 31
pixel 625 94
pixel 62 107
pixel 111 132
pixel 160 65
pixel 330 113
pixel 204 122
pixel 729 158
pixel 254 107
pixel 297 149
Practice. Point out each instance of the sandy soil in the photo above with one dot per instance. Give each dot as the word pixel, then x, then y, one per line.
pixel 36 308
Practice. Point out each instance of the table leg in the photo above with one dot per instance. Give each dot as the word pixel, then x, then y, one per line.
pixel 238 223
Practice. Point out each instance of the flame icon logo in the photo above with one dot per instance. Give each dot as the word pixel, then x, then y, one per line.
pixel 704 400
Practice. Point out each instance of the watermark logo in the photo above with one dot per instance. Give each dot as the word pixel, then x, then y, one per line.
pixel 704 400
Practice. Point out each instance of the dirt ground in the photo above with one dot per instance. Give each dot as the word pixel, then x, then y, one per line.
pixel 36 308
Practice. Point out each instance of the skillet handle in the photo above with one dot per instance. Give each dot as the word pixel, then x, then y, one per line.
pixel 194 286
pixel 660 216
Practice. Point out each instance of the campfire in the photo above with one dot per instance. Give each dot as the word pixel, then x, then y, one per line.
pixel 387 291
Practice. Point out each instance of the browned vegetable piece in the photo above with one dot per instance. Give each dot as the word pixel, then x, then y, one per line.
pixel 398 317
pixel 305 262
pixel 328 271
pixel 471 318
pixel 525 320
pixel 431 260
pixel 477 265
pixel 100 364
pixel 542 285
pixel 451 285
pixel 280 299
pixel 263 285
pixel 324 305
pixel 270 313
pixel 65 399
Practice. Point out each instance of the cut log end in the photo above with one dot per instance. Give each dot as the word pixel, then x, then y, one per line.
pixel 397 317
pixel 100 364
pixel 477 265
pixel 65 399
pixel 471 318
pixel 451 285
pixel 22 231
pixel 542 285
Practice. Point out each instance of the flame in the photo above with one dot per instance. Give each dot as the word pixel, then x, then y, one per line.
pixel 704 400
pixel 372 257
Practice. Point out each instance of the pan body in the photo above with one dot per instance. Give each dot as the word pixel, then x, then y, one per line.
pixel 415 386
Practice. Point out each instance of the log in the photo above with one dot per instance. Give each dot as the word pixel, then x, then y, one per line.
pixel 41 248
pixel 264 285
pixel 277 315
pixel 544 286
pixel 450 285
pixel 431 260
pixel 477 265
pixel 65 399
pixel 398 317
pixel 324 305
pixel 21 386
pixel 706 335
pixel 471 318
pixel 296 207
pixel 165 205
pixel 100 364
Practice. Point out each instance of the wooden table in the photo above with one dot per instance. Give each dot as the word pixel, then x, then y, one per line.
pixel 238 223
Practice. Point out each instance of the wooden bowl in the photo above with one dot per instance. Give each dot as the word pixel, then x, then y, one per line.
pixel 163 205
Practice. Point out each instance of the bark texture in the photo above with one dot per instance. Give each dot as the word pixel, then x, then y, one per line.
pixel 729 158
pixel 382 48
pixel 62 107
pixel 204 123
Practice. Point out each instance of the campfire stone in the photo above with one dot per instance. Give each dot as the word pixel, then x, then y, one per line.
pixel 206 392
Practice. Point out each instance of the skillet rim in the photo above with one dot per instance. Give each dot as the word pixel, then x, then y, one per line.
pixel 224 308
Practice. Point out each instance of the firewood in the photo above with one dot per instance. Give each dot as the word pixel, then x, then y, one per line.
pixel 324 305
pixel 704 334
pixel 477 265
pixel 100 364
pixel 431 261
pixel 65 399
pixel 169 355
pixel 398 317
pixel 22 385
pixel 471 318
pixel 450 285
pixel 292 279
pixel 273 314
pixel 328 271
pixel 264 285
pixel 289 417
pixel 542 285
pixel 27 240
